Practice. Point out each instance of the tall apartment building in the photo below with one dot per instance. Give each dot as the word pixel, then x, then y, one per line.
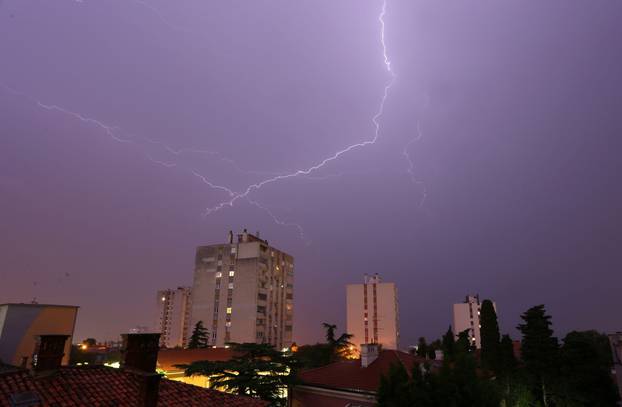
pixel 466 316
pixel 372 313
pixel 243 291
pixel 173 321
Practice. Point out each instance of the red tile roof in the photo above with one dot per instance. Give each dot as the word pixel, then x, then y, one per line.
pixel 350 375
pixel 96 386
pixel 168 358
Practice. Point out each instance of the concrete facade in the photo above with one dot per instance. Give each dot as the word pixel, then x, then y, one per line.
pixel 243 292
pixel 466 316
pixel 373 313
pixel 173 320
pixel 20 324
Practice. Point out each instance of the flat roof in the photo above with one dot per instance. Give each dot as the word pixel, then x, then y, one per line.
pixel 27 304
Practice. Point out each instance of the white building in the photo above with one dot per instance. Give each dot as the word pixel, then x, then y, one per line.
pixel 243 292
pixel 173 321
pixel 20 324
pixel 372 313
pixel 466 316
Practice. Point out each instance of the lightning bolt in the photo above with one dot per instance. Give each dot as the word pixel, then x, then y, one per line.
pixel 375 120
pixel 112 132
pixel 411 166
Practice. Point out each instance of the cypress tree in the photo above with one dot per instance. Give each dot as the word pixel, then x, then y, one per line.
pixel 539 351
pixel 199 337
pixel 490 337
pixel 449 344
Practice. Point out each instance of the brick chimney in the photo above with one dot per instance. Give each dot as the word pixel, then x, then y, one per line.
pixel 140 352
pixel 140 355
pixel 49 352
pixel 369 353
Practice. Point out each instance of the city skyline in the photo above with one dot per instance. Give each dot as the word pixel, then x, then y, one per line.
pixel 495 170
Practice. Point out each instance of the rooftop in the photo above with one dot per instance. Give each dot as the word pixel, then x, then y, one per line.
pixel 105 386
pixel 350 375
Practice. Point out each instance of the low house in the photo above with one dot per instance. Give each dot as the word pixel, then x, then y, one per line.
pixel 20 324
pixel 136 383
pixel 352 383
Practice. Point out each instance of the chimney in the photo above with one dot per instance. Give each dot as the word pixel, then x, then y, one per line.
pixel 245 236
pixel 49 352
pixel 140 352
pixel 140 355
pixel 369 353
pixel 230 237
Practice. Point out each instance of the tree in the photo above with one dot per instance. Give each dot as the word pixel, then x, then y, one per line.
pixel 256 370
pixel 199 337
pixel 463 345
pixel 395 389
pixel 89 342
pixel 490 338
pixel 339 346
pixel 539 351
pixel 456 384
pixel 506 358
pixel 585 366
pixel 422 348
pixel 449 344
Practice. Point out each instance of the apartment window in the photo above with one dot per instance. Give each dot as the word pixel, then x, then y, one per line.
pixel 261 310
pixel 218 274
pixel 262 297
pixel 228 324
pixel 289 296
pixel 228 310
pixel 233 250
pixel 231 273
pixel 231 286
pixel 259 335
pixel 261 322
pixel 288 328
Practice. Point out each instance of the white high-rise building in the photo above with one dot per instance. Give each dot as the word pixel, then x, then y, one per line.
pixel 173 321
pixel 466 316
pixel 243 291
pixel 372 313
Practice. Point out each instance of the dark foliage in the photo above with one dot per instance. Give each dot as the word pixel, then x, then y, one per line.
pixel 199 338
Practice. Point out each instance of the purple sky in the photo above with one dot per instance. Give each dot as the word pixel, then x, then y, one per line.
pixel 518 103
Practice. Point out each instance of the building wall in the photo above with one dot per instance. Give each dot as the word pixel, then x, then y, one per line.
pixel 382 320
pixel 173 316
pixel 20 324
pixel 466 316
pixel 243 292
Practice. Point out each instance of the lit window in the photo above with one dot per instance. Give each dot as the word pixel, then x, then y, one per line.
pixel 218 275
pixel 163 298
pixel 231 273
pixel 231 286
pixel 228 310
pixel 228 324
pixel 233 249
